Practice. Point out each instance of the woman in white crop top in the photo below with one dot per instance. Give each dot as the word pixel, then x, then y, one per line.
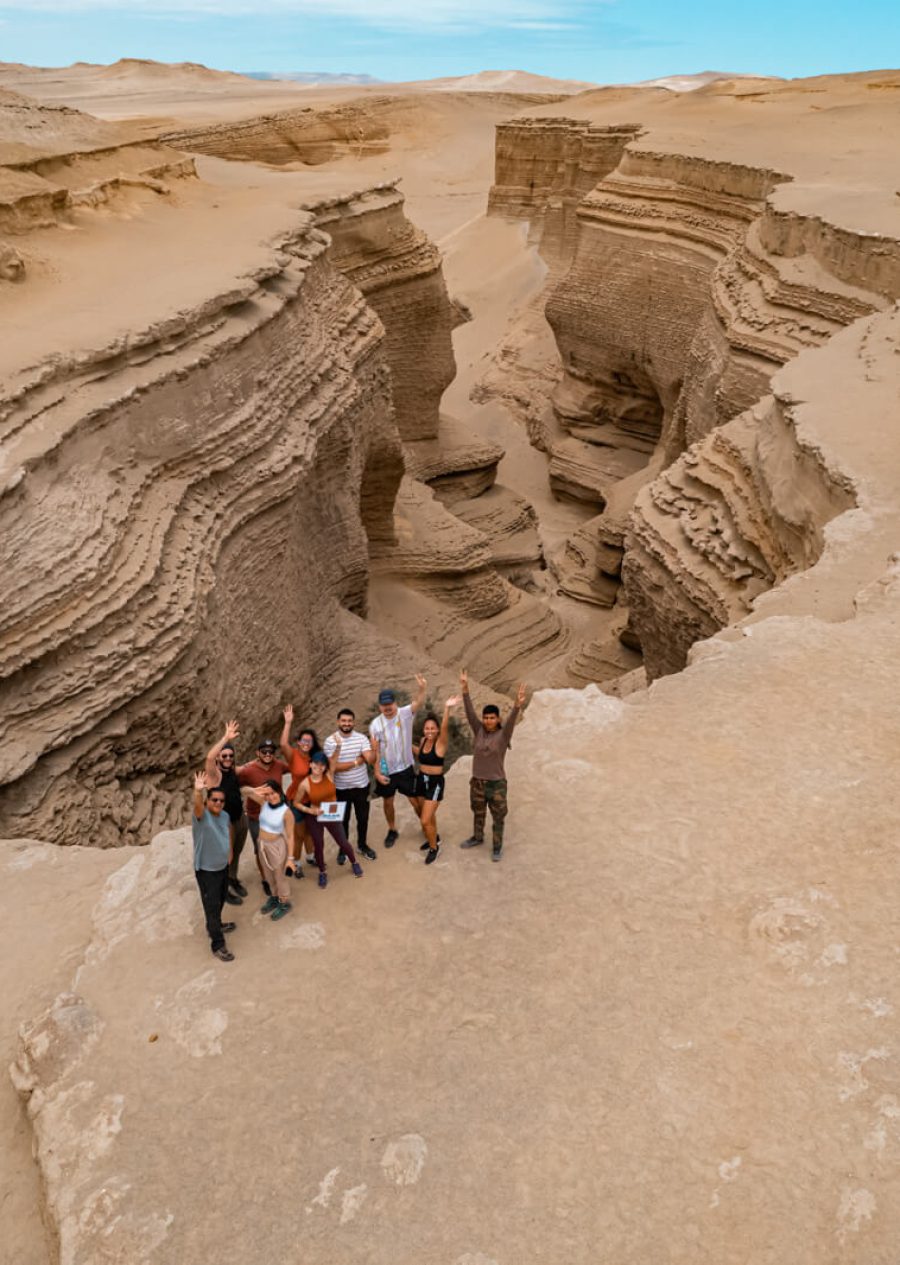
pixel 276 832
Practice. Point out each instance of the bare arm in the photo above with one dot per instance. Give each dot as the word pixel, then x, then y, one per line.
pixel 419 701
pixel 210 767
pixel 257 793
pixel 285 740
pixel 376 759
pixel 343 766
pixel 200 781
pixel 444 736
pixel 334 760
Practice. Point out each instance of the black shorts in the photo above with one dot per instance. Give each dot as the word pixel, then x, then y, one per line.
pixel 404 782
pixel 295 812
pixel 430 786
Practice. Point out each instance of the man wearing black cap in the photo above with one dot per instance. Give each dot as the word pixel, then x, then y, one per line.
pixel 220 773
pixel 487 786
pixel 391 735
pixel 255 774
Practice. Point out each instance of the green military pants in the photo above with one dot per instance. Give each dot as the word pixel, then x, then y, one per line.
pixel 484 794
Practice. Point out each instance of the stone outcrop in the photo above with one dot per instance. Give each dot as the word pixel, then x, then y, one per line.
pixel 680 282
pixel 398 270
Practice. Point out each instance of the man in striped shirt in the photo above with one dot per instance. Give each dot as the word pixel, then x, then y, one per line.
pixel 351 778
pixel 391 734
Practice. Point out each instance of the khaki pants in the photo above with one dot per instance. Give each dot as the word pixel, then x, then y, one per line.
pixel 273 857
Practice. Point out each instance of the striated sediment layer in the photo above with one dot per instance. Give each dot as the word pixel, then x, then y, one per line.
pixel 688 272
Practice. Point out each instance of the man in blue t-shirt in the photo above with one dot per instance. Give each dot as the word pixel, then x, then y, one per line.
pixel 210 828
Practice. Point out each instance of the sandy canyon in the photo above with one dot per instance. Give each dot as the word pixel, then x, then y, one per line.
pixel 307 389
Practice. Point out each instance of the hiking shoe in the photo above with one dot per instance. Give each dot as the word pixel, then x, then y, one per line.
pixel 232 898
pixel 223 955
pixel 323 879
pixel 432 854
pixel 471 842
pixel 369 853
pixel 284 907
pixel 228 927
pixel 357 869
pixel 269 905
pixel 266 888
pixel 390 838
pixel 237 886
pixel 342 858
pixel 496 854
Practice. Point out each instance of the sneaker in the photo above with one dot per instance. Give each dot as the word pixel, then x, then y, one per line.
pixel 357 869
pixel 269 905
pixel 266 888
pixel 390 838
pixel 342 858
pixel 298 870
pixel 369 853
pixel 496 854
pixel 228 927
pixel 284 907
pixel 471 842
pixel 323 879
pixel 223 955
pixel 237 886
pixel 424 845
pixel 232 898
pixel 432 854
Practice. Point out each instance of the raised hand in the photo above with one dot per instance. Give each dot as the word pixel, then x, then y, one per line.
pixel 288 714
pixel 420 681
pixel 201 781
pixel 464 679
pixel 520 694
pixel 232 730
pixel 454 701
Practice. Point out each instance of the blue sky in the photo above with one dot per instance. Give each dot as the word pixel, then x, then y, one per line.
pixel 599 40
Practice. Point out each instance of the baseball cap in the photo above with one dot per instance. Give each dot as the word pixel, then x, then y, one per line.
pixel 387 696
pixel 265 744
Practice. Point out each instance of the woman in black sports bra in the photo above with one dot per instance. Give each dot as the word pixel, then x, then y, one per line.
pixel 431 753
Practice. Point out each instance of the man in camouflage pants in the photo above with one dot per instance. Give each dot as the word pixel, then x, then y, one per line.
pixel 487 788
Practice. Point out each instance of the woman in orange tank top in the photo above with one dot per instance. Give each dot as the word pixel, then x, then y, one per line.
pixel 316 789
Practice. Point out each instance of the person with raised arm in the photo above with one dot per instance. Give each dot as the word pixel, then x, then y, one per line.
pixel 391 735
pixel 431 753
pixel 220 771
pixel 298 758
pixel 487 786
pixel 212 852
pixel 315 791
pixel 276 835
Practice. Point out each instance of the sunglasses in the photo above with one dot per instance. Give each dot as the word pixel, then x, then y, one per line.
pixel 226 755
pixel 218 799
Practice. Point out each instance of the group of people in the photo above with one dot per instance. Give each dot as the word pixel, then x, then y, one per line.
pixel 328 782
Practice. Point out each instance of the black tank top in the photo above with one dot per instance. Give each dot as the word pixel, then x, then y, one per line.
pixel 430 757
pixel 234 801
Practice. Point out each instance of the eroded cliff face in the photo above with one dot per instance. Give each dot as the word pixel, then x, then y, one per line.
pixel 682 283
pixel 216 476
pixel 199 482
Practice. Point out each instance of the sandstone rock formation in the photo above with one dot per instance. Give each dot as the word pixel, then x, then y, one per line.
pixel 685 271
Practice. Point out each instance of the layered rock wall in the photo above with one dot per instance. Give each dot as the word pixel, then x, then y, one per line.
pixel 216 477
pixel 306 135
pixel 687 283
pixel 398 270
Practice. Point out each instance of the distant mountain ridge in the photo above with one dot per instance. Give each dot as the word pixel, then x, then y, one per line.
pixel 311 77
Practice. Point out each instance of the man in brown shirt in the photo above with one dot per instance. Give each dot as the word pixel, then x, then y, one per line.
pixel 487 787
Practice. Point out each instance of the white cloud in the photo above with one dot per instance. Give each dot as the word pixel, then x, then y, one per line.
pixel 522 14
pixel 527 14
